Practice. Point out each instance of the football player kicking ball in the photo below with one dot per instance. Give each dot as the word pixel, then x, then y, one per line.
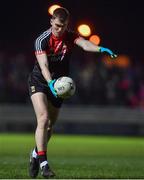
pixel 52 49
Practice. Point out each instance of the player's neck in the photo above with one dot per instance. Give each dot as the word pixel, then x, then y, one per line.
pixel 58 38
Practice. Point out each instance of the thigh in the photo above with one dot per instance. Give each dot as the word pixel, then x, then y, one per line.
pixel 40 104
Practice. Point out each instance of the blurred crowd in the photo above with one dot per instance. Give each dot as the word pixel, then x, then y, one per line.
pixel 14 70
pixel 99 80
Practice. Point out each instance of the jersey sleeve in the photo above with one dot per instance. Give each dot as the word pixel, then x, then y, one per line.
pixel 41 43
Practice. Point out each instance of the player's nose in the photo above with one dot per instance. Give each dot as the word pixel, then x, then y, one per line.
pixel 59 29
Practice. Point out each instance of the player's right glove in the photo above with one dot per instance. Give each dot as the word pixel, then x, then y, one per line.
pixel 102 49
pixel 51 86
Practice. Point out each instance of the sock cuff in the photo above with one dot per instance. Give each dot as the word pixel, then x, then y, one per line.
pixel 40 153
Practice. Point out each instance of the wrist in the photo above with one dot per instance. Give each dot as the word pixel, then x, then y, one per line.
pixel 49 81
pixel 101 49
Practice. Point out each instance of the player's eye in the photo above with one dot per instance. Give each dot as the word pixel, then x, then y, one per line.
pixel 59 26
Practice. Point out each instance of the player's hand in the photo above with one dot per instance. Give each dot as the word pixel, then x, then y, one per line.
pixel 51 86
pixel 112 55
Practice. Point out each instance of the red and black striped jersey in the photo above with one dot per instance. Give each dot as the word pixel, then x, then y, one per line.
pixel 58 51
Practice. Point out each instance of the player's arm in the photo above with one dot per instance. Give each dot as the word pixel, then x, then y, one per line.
pixel 40 52
pixel 43 63
pixel 91 47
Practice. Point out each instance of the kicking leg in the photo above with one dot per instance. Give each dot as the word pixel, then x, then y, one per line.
pixel 53 115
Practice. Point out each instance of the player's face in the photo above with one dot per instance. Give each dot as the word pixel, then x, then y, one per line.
pixel 58 28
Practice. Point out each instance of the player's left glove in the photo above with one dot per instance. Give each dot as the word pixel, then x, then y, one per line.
pixel 102 49
pixel 51 86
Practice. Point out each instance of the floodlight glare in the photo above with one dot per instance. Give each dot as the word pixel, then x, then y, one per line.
pixel 52 8
pixel 84 30
pixel 95 39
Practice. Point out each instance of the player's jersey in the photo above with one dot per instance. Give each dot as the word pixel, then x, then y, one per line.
pixel 58 52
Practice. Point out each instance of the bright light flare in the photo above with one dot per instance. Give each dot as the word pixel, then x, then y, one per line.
pixel 95 39
pixel 84 30
pixel 52 8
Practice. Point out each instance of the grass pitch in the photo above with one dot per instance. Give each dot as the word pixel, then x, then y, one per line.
pixel 74 157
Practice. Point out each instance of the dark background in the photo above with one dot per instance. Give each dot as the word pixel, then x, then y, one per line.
pixel 118 23
pixel 120 26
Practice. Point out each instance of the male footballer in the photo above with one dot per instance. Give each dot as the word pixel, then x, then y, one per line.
pixel 53 48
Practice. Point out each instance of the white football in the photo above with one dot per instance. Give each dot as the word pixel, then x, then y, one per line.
pixel 65 87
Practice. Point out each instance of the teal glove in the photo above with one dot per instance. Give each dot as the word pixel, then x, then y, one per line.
pixel 51 86
pixel 102 49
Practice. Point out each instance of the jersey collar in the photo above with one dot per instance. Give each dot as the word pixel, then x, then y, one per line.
pixel 58 38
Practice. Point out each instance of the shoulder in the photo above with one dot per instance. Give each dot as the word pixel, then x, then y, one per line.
pixel 42 39
pixel 44 34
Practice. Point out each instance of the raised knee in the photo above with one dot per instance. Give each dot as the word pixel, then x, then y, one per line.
pixel 50 129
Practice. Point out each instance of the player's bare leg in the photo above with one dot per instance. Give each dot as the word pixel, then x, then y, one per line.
pixel 44 111
pixel 40 104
